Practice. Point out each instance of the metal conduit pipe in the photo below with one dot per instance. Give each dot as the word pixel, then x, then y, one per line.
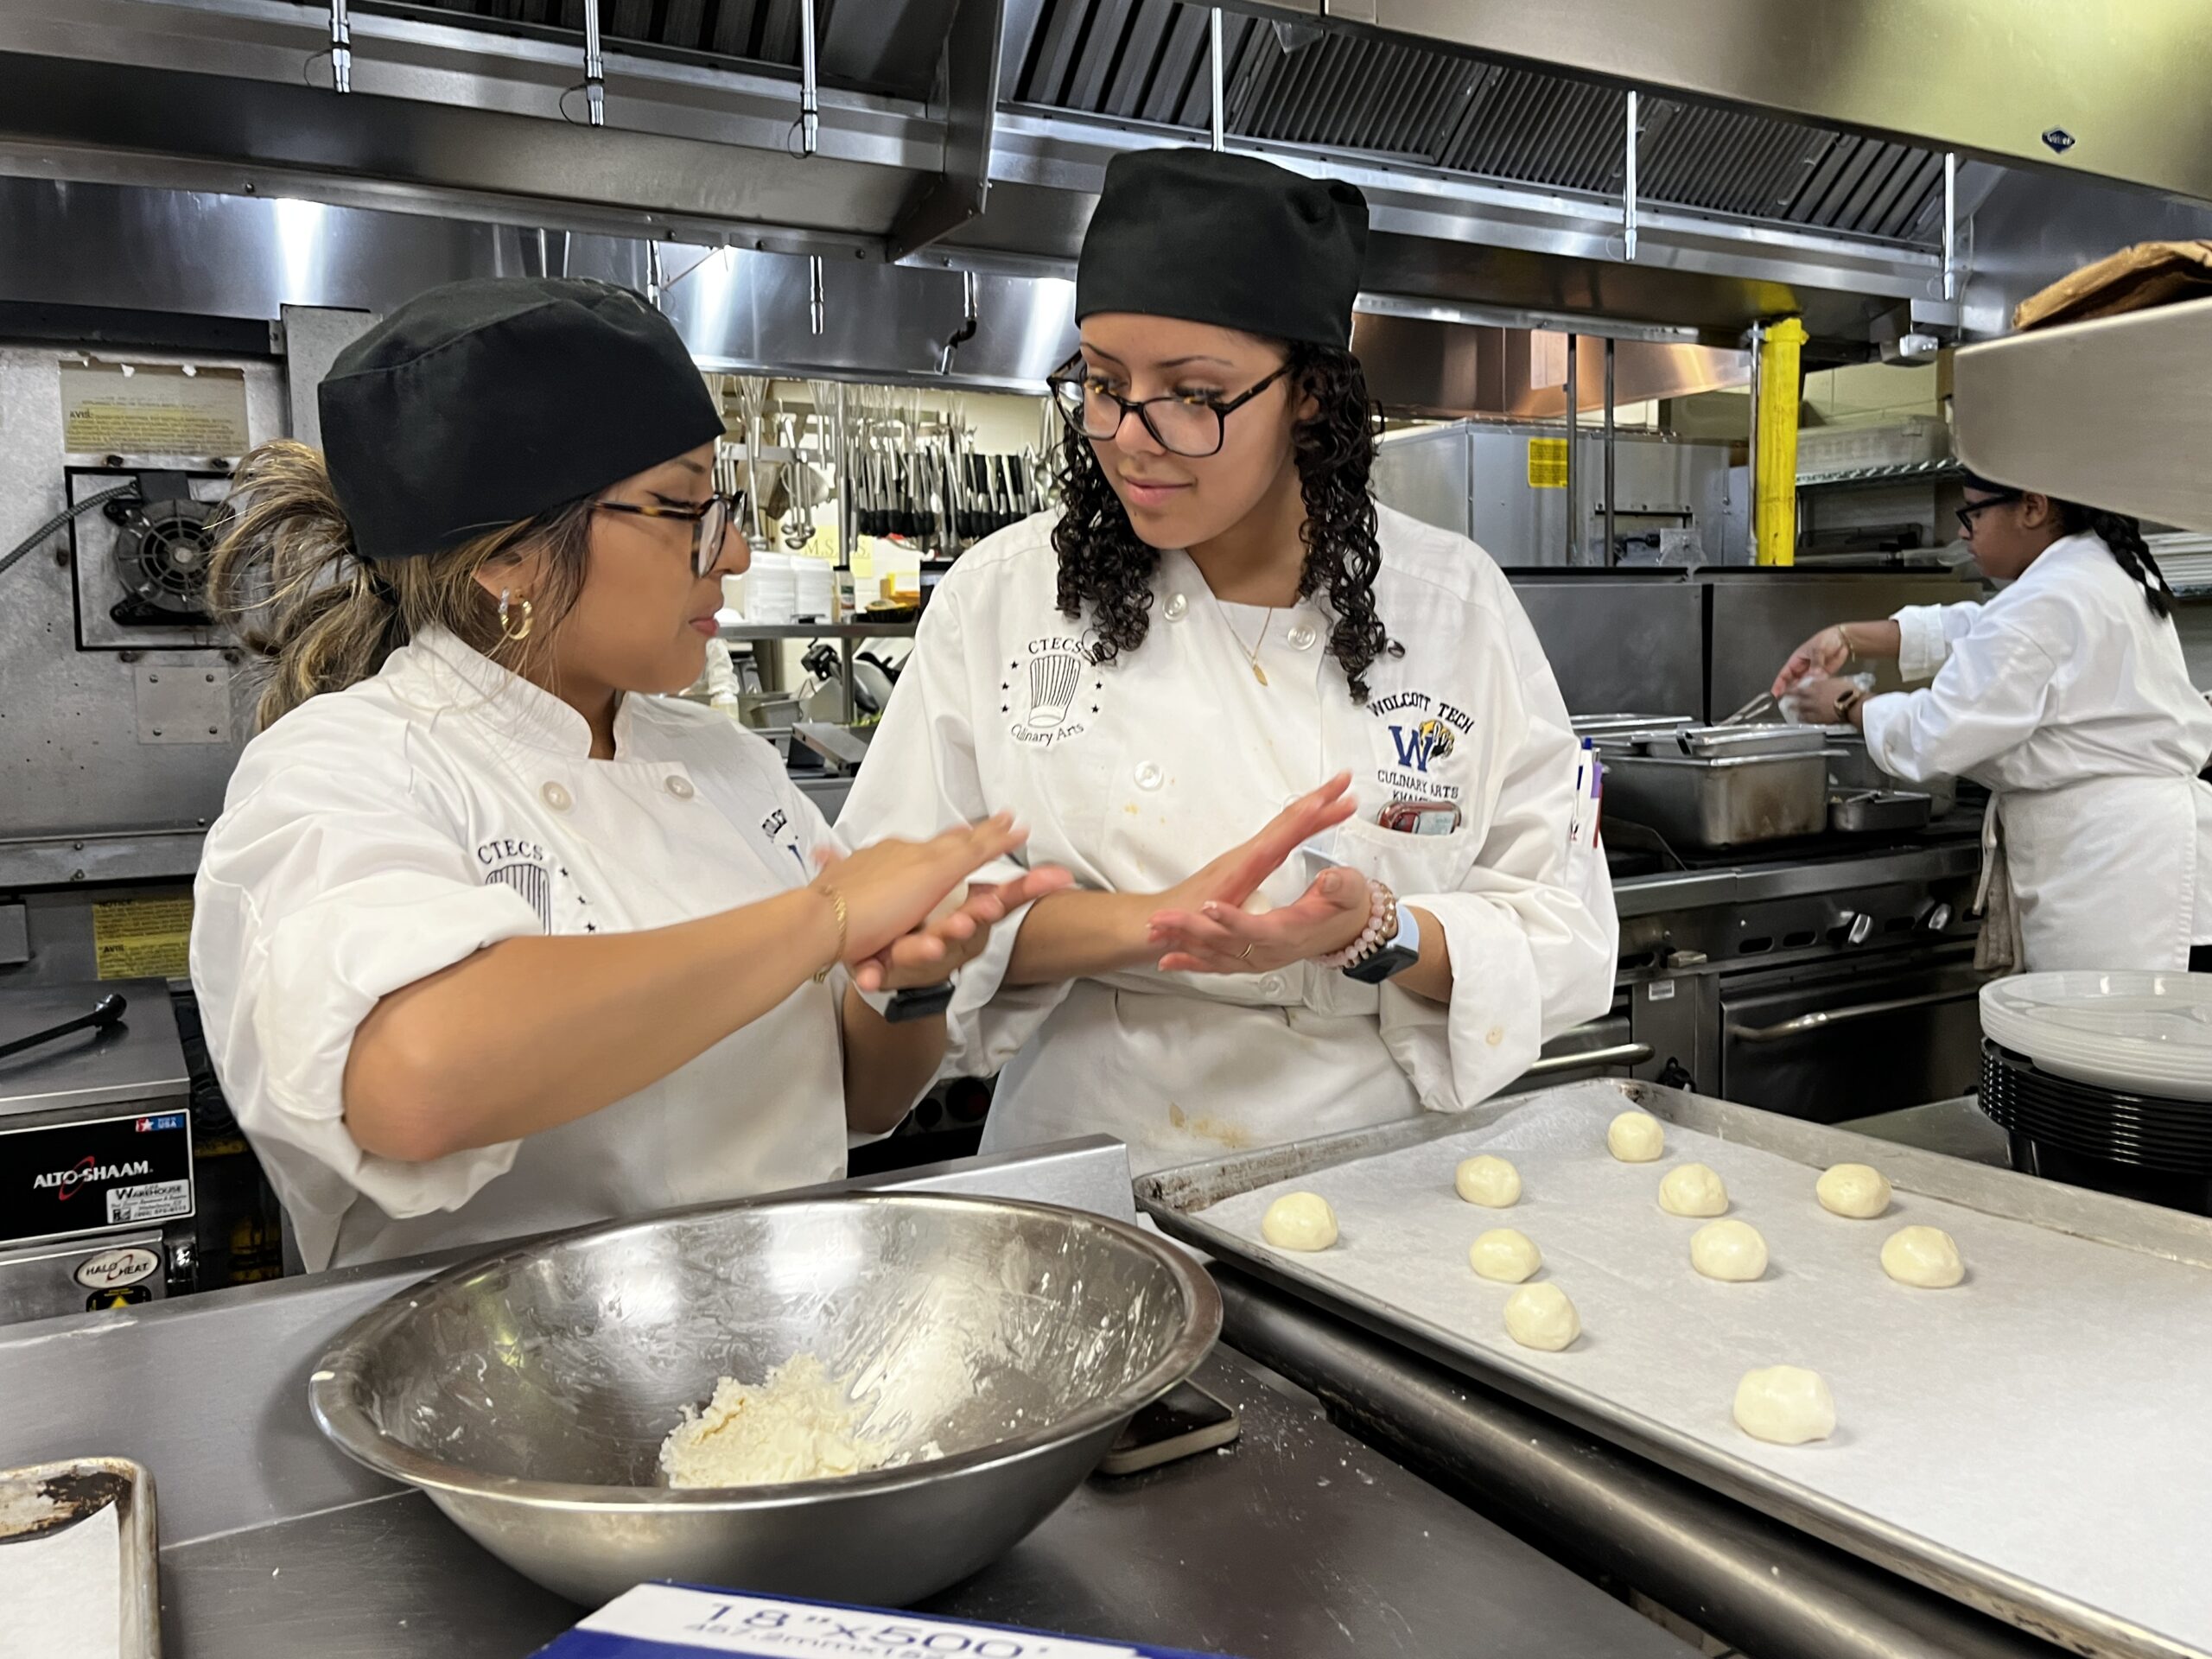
pixel 810 88
pixel 1627 192
pixel 594 69
pixel 1214 71
pixel 1950 225
pixel 1773 1591
pixel 341 47
pixel 1573 435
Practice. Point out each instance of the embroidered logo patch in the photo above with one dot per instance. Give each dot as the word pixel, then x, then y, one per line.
pixel 1421 733
pixel 1051 694
pixel 520 865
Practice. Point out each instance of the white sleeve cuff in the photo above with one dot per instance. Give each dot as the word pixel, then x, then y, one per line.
pixel 1461 1053
pixel 327 965
pixel 1922 645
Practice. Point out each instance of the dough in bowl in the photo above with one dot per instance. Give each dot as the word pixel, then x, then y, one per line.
pixel 1693 1190
pixel 1635 1138
pixel 1732 1250
pixel 1299 1221
pixel 1924 1257
pixel 1540 1316
pixel 1786 1404
pixel 1506 1255
pixel 1488 1181
pixel 1858 1191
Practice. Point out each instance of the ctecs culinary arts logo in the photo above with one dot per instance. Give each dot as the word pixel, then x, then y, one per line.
pixel 1422 732
pixel 1052 691
pixel 521 864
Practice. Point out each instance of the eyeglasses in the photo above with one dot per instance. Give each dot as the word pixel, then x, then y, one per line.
pixel 1186 424
pixel 1973 509
pixel 709 522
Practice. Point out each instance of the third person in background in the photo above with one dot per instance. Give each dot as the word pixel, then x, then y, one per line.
pixel 2068 697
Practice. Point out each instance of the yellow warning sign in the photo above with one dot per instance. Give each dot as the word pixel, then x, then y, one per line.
pixel 152 408
pixel 143 938
pixel 1547 463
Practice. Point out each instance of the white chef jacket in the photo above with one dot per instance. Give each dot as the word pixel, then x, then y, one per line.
pixel 374 836
pixel 2068 698
pixel 1136 773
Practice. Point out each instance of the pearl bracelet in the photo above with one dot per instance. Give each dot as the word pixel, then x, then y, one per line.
pixel 1382 927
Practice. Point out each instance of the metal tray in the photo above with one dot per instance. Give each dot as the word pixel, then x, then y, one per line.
pixel 1732 743
pixel 1717 804
pixel 1877 811
pixel 1981 1564
pixel 1851 768
pixel 48 1499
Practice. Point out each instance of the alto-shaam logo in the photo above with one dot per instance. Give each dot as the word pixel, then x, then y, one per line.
pixel 64 1183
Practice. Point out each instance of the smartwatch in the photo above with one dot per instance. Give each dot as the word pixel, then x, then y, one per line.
pixel 1396 954
pixel 919 1003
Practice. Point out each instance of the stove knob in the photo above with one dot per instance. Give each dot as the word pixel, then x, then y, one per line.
pixel 1938 918
pixel 1861 926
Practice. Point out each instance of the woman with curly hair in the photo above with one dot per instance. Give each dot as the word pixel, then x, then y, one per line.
pixel 1157 677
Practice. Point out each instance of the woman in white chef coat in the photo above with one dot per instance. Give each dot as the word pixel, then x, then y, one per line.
pixel 1219 620
pixel 487 942
pixel 2066 695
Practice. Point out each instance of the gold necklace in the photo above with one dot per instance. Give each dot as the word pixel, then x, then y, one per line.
pixel 1252 651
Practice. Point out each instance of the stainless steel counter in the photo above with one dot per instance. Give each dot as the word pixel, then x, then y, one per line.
pixel 1300 1539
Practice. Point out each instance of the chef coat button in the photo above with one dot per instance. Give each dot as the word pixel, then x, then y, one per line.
pixel 1300 637
pixel 681 788
pixel 1175 606
pixel 1149 776
pixel 556 798
pixel 1272 985
pixel 1494 1036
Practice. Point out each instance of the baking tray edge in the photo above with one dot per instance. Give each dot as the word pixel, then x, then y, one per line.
pixel 1171 1197
pixel 136 1536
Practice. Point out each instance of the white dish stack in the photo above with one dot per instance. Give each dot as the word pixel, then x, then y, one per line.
pixel 2148 1034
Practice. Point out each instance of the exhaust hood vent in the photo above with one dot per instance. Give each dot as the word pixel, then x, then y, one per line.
pixel 887 46
pixel 1146 60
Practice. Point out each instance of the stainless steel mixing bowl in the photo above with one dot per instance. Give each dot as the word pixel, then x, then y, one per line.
pixel 528 1394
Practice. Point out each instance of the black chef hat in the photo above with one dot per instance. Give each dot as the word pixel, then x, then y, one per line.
pixel 1227 239
pixel 485 401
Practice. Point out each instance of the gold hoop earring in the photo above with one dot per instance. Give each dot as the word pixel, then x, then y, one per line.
pixel 514 635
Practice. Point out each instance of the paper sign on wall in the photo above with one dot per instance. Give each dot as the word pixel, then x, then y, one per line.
pixel 127 409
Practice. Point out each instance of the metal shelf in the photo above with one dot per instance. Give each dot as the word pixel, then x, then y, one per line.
pixel 1902 472
pixel 741 632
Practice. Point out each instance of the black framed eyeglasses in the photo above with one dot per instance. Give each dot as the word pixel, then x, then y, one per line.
pixel 1972 509
pixel 1187 425
pixel 709 521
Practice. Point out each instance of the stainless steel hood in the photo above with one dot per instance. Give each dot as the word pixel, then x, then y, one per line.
pixel 2116 412
pixel 973 134
pixel 2114 91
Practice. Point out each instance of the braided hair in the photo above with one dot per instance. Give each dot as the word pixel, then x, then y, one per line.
pixel 2123 537
pixel 1104 565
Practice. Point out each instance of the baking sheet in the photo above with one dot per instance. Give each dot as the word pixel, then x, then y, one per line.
pixel 2040 1436
pixel 77 1579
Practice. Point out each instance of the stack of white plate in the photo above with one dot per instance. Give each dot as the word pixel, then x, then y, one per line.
pixel 2146 1033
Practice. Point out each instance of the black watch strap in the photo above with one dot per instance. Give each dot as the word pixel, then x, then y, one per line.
pixel 919 1003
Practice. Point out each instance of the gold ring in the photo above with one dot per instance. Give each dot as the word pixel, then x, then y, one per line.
pixel 1245 954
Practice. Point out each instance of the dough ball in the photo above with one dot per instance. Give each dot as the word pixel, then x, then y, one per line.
pixel 1728 1250
pixel 1636 1138
pixel 1924 1256
pixel 1488 1182
pixel 1786 1404
pixel 1506 1255
pixel 1299 1221
pixel 1858 1191
pixel 1540 1316
pixel 1693 1190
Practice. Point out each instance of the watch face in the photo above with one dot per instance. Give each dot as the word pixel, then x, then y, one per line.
pixel 1391 959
